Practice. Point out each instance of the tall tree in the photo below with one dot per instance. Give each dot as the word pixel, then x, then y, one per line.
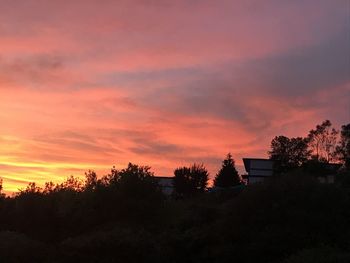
pixel 343 148
pixel 323 141
pixel 288 153
pixel 0 187
pixel 190 180
pixel 228 175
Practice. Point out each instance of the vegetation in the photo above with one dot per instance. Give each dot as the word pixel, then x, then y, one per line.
pixel 124 217
pixel 343 147
pixel 322 141
pixel 190 180
pixel 291 218
pixel 289 153
pixel 321 146
pixel 228 175
pixel 0 187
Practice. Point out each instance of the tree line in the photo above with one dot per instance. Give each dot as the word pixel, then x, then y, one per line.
pixel 322 145
pixel 124 216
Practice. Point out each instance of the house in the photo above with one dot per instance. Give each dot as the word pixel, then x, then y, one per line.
pixel 166 184
pixel 257 169
pixel 328 174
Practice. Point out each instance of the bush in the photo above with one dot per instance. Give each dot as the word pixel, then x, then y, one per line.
pixel 16 247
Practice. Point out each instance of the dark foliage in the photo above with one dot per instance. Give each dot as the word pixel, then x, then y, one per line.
pixel 2 196
pixel 228 175
pixel 190 180
pixel 291 218
pixel 320 254
pixel 288 153
pixel 124 217
pixel 323 141
pixel 343 148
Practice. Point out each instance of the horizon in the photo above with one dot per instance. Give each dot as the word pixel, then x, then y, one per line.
pixel 88 85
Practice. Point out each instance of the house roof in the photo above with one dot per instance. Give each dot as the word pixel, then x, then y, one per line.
pixel 247 161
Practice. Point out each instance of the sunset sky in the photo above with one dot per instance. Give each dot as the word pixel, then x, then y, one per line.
pixel 88 84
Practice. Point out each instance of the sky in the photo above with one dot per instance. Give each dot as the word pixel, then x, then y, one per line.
pixel 87 84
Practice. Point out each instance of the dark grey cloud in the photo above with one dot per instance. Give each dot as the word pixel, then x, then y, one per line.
pixel 36 69
pixel 169 74
pixel 225 91
pixel 74 141
pixel 305 70
pixel 127 134
pixel 155 148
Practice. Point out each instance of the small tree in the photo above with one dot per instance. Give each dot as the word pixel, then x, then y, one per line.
pixel 134 193
pixel 228 175
pixel 190 180
pixel 72 184
pixel 288 153
pixel 1 194
pixel 90 180
pixel 343 148
pixel 135 182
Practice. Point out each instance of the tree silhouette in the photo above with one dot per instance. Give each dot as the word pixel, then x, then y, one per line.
pixel 72 184
pixel 288 153
pixel 1 188
pixel 90 180
pixel 32 188
pixel 133 193
pixel 135 181
pixel 228 175
pixel 125 219
pixel 323 141
pixel 343 148
pixel 190 180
